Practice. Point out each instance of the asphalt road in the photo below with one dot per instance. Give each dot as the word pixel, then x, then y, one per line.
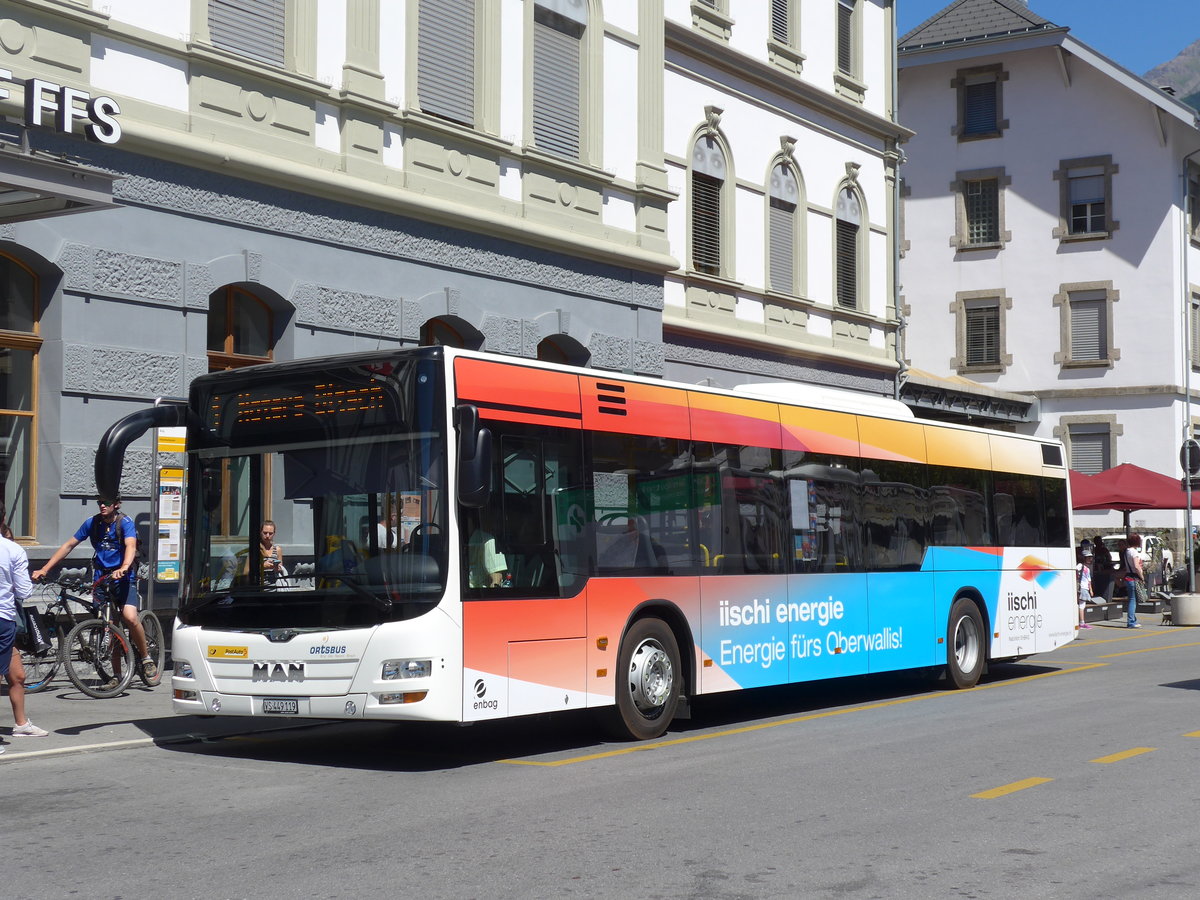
pixel 1067 775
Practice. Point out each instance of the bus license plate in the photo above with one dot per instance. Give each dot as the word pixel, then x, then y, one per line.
pixel 281 707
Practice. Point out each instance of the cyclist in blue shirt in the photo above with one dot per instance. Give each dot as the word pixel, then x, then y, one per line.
pixel 114 547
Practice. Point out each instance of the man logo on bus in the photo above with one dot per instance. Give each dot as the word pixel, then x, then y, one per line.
pixel 480 691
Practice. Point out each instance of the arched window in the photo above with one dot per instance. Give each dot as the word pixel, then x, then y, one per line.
pixel 707 184
pixel 241 330
pixel 847 249
pixel 782 228
pixel 451 331
pixel 19 346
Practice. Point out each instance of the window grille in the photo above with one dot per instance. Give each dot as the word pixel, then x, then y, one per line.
pixel 983 211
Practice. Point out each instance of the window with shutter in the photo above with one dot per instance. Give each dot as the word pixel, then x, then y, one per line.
pixel 1089 448
pixel 558 27
pixel 980 97
pixel 1195 329
pixel 979 108
pixel 781 21
pixel 983 335
pixel 781 224
pixel 845 36
pixel 982 205
pixel 847 231
pixel 446 54
pixel 707 182
pixel 706 224
pixel 252 28
pixel 1089 329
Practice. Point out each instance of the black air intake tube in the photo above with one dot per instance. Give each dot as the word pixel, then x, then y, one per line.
pixel 110 455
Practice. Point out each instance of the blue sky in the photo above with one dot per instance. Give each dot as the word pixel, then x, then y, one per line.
pixel 1138 35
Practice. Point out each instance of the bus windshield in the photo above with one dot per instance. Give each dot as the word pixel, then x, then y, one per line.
pixel 321 498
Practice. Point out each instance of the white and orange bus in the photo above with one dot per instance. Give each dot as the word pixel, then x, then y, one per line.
pixel 470 537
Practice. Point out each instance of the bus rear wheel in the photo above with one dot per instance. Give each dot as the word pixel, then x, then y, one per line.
pixel 964 644
pixel 648 681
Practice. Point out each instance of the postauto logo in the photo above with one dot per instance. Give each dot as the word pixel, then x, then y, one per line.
pixel 480 697
pixel 1034 569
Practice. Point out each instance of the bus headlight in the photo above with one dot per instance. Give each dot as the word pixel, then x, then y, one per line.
pixel 406 668
pixel 183 669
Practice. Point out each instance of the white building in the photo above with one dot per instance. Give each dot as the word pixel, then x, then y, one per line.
pixel 780 134
pixel 1052 235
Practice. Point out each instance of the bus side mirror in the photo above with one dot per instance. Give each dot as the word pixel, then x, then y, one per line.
pixel 474 458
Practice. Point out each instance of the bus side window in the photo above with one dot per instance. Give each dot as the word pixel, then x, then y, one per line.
pixel 1019 510
pixel 642 520
pixel 959 507
pixel 895 514
pixel 824 498
pixel 534 514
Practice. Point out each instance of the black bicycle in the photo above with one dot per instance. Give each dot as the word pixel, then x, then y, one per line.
pixel 52 608
pixel 98 653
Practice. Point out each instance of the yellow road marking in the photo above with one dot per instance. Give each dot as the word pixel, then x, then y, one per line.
pixel 1010 788
pixel 1124 754
pixel 1151 649
pixel 1140 635
pixel 760 726
pixel 1192 734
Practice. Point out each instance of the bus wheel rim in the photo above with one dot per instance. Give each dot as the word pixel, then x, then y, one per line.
pixel 966 644
pixel 651 676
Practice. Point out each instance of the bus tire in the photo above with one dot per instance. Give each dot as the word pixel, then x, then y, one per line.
pixel 648 682
pixel 965 644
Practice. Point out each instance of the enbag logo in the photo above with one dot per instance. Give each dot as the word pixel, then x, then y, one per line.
pixel 480 693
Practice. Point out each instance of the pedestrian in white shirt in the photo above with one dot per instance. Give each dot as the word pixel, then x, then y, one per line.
pixel 14 585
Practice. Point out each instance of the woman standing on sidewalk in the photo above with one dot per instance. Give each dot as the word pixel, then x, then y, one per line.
pixel 14 585
pixel 1135 577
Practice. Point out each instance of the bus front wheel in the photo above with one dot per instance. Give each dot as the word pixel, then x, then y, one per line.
pixel 648 681
pixel 965 642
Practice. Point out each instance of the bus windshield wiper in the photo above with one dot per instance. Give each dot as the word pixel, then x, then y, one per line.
pixel 383 603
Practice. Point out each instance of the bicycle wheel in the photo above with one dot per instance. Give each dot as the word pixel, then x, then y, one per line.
pixel 98 658
pixel 155 647
pixel 40 668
